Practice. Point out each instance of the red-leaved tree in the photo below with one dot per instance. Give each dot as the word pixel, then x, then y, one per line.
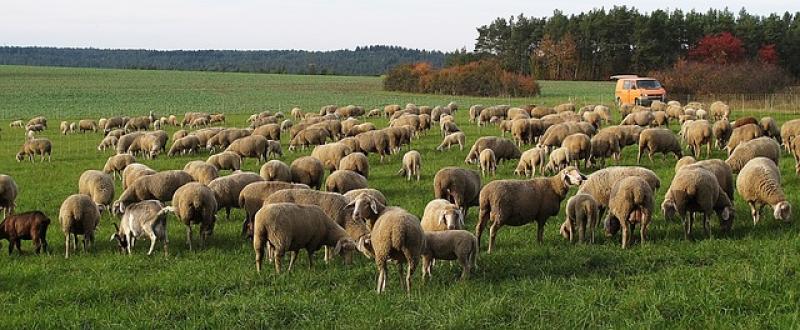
pixel 768 54
pixel 722 48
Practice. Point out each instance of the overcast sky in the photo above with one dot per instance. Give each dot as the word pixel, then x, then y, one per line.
pixel 290 24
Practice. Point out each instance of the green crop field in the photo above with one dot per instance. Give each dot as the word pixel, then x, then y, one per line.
pixel 747 278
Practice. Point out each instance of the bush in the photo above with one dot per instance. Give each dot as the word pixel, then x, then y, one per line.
pixel 695 78
pixel 479 78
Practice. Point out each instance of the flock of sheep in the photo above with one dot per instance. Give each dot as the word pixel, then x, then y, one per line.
pixel 287 211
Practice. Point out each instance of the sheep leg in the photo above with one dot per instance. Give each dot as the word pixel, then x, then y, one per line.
pixel 705 225
pixel 754 212
pixel 153 240
pixel 639 156
pixel 381 276
pixel 310 259
pixel 426 266
pixel 11 246
pixel 540 231
pixel 401 276
pixel 327 256
pixel 466 266
pixel 189 236
pixel 278 257
pixel 493 234
pixel 412 266
pixel 625 233
pixel 66 245
pixel 581 231
pixel 292 258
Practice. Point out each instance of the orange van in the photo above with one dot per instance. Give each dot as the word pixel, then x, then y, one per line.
pixel 637 90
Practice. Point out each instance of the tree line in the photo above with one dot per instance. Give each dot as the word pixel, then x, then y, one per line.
pixel 368 60
pixel 596 44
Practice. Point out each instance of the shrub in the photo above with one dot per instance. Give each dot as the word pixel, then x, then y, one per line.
pixel 696 78
pixel 478 78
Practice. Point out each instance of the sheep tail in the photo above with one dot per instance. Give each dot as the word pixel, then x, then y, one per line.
pixel 165 210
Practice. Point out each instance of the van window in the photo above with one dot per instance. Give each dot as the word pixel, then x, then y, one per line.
pixel 627 84
pixel 649 84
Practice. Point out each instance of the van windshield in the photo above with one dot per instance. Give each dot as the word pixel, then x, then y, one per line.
pixel 648 84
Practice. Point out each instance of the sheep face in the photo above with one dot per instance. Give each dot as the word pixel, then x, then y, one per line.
pixel 120 238
pixel 669 209
pixel 364 207
pixel 726 218
pixel 345 247
pixel 783 211
pixel 572 177
pixel 364 245
pixel 453 218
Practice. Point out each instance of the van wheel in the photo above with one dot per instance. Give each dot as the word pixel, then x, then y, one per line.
pixel 637 102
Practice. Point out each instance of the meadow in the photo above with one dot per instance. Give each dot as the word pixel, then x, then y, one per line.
pixel 747 278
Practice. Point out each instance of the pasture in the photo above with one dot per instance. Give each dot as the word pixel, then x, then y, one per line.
pixel 745 279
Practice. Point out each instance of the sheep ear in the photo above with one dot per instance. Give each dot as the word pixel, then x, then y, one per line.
pixel 113 237
pixel 374 206
pixel 351 204
pixel 338 248
pixel 442 219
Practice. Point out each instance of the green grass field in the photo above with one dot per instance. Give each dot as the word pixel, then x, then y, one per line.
pixel 745 279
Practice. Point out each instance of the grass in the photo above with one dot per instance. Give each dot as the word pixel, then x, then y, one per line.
pixel 746 279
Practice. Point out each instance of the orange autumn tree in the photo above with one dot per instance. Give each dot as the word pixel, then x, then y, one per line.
pixel 478 78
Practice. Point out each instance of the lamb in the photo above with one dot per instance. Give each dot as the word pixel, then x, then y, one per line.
pixel 396 234
pixel 331 154
pixel 530 159
pixel 658 140
pixel 117 163
pixel 759 147
pixel 133 172
pixel 442 215
pixel 504 149
pixel 227 189
pixel 697 190
pixel 8 194
pixel 451 139
pixel 604 145
pixel 742 134
pixel 696 134
pixel 770 128
pixel 97 185
pixel 79 215
pixel 631 203
pixel 291 227
pixel 459 186
pixel 146 218
pixel 559 159
pixel 25 226
pixel 488 162
pixel 357 162
pixel 722 132
pixel 276 170
pixel 342 181
pixel 108 142
pixel 160 186
pixel 36 146
pixel 721 170
pixel 458 245
pixel 720 110
pixel 511 202
pixel 194 203
pixel 582 211
pixel 201 171
pixel 307 170
pixel 759 184
pixel 578 146
pixel 412 165
pixel 226 160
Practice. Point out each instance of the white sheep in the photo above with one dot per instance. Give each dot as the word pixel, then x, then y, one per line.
pixel 147 218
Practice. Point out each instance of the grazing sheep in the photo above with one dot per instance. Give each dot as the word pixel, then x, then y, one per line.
pixel 458 245
pixel 759 147
pixel 291 227
pixel 722 132
pixel 8 194
pixel 79 215
pixel 160 186
pixel 631 203
pixel 342 181
pixel 331 154
pixel 789 130
pixel 361 128
pixel 374 142
pixel 253 196
pixel 744 121
pixel 117 163
pixel 698 133
pixel 146 218
pixel 25 226
pixel 227 189
pixel 742 134
pixel 578 146
pixel 226 160
pixel 127 140
pixel 504 149
pixel 759 184
pixel 307 170
pixel 286 125
pixel 108 142
pixel 697 190
pixel 276 170
pixel 459 186
pixel 186 145
pixel 16 123
pixel 451 139
pixel 770 128
pixel 269 131
pixel 599 183
pixel 64 127
pixel 412 165
pixel 442 215
pixel 721 170
pixel 720 110
pixel 641 118
pixel 85 125
pixel 582 211
pixel 559 159
pixel 658 140
pixel 133 172
pixel 37 146
pixel 194 203
pixel 357 162
pixel 604 145
pixel 488 162
pixel 201 171
pixel 38 120
pixel 518 202
pixel 529 161
pixel 254 146
pixel 97 185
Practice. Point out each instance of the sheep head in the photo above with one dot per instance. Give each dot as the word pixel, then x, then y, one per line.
pixel 572 177
pixel 783 211
pixel 452 217
pixel 669 209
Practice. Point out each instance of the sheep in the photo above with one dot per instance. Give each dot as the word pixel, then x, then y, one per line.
pixel 64 127
pixel 630 203
pixel 150 144
pixel 8 194
pixel 291 227
pixel 450 128
pixel 720 110
pixel 412 165
pixel 721 170
pixel 25 226
pixel 108 142
pixel 578 146
pixel 658 140
pixel 697 190
pixel 660 118
pixel 603 111
pixel 227 189
pixel 770 128
pixel 357 162
pixel 722 132
pixel 185 145
pixel 796 153
pixel 36 128
pixel 342 181
pixel 374 142
pixel 592 118
pixel 307 170
pixel 37 146
pixel 488 162
pixel 361 128
pixel 558 160
pixel 226 160
pixel 742 134
pixel 16 123
pixel 451 139
pixel 286 125
pixel 565 107
pixel 504 149
pixel 276 170
pixel 674 111
pixel 87 125
pixel 744 121
pixel 38 120
pixel 474 111
pixel 126 141
pixel 253 196
pixel 459 186
pixel 201 171
pixel 599 183
pixel 398 137
pixel 604 145
pixel 696 133
pixel 395 234
pixel 79 215
pixel 442 215
pixel 117 163
pixel 254 146
pixel 216 118
pixel 530 159
pixel 160 186
pixel 331 154
pixel 518 202
pixel 789 130
pixel 582 211
pixel 759 147
pixel 641 118
pixel 458 245
pixel 97 185
pixel 146 218
pixel 194 203
pixel 701 114
pixel 114 123
pixel 626 134
pixel 133 172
